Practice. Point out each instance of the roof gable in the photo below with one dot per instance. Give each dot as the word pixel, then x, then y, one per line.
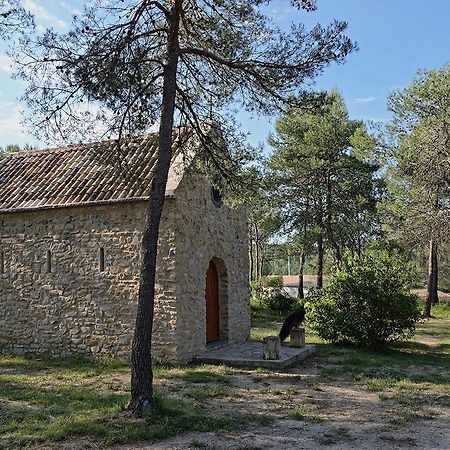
pixel 83 174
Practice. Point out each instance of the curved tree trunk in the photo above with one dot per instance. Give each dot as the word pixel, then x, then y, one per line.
pixel 141 356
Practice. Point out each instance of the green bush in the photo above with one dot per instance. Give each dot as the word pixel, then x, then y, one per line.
pixel 257 291
pixel 367 302
pixel 273 281
pixel 279 301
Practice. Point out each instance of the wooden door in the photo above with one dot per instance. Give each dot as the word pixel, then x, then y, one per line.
pixel 212 304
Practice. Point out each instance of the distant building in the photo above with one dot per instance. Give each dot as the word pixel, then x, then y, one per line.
pixel 290 283
pixel 71 222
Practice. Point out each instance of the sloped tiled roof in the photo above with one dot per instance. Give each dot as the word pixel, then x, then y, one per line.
pixel 80 175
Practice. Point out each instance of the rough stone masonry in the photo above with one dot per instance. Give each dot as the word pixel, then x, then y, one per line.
pixel 69 271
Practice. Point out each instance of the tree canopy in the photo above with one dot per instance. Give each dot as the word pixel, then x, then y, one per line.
pixel 228 53
pixel 419 181
pixel 13 18
pixel 322 177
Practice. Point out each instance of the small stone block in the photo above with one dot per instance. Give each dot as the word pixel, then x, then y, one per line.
pixel 272 347
pixel 297 337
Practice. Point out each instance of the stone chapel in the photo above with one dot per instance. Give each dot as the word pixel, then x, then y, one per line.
pixel 71 221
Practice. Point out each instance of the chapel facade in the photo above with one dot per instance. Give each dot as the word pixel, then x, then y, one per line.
pixel 71 222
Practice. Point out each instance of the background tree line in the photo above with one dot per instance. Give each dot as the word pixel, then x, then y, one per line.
pixel 333 187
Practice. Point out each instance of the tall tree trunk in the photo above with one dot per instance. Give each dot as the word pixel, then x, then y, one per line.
pixel 320 249
pixel 432 295
pixel 257 257
pixel 337 254
pixel 141 356
pixel 250 253
pixel 301 293
pixel 262 254
pixel 320 252
pixel 435 298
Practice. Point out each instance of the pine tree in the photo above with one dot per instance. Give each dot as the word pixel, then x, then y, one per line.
pixel 419 201
pixel 171 62
pixel 328 188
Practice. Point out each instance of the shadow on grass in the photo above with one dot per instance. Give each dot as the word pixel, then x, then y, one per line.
pixel 407 363
pixel 75 365
pixel 38 404
pixel 195 373
pixel 30 414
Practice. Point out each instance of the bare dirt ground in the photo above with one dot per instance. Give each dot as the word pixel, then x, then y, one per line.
pixel 342 399
pixel 422 293
pixel 310 408
pixel 336 415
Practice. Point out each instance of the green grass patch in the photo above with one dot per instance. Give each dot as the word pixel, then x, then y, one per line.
pixel 207 392
pixel 441 310
pixel 302 413
pixel 51 400
pixel 194 374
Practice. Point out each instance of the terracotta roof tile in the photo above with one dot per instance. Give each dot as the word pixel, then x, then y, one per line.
pixel 79 174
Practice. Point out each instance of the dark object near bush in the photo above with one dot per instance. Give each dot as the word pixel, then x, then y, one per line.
pixel 367 302
pixel 279 301
pixel 292 321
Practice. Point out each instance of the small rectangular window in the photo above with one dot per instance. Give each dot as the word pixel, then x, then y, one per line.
pixel 2 262
pixel 49 261
pixel 102 259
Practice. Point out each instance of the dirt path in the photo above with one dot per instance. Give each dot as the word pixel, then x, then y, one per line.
pixel 310 414
pixel 346 400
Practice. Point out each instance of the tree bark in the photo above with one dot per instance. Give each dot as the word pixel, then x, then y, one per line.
pixel 301 293
pixel 337 254
pixel 320 249
pixel 432 286
pixel 435 298
pixel 257 256
pixel 262 253
pixel 250 256
pixel 330 232
pixel 320 262
pixel 141 356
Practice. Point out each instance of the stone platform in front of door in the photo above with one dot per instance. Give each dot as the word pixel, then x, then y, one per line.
pixel 250 354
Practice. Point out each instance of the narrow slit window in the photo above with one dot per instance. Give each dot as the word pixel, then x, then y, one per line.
pixel 49 261
pixel 2 262
pixel 102 259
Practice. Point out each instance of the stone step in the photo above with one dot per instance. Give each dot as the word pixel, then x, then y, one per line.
pixel 250 354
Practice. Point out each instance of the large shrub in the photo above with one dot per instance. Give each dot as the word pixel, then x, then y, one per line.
pixel 273 281
pixel 367 302
pixel 279 301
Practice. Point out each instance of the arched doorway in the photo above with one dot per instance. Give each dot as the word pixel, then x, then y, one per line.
pixel 212 295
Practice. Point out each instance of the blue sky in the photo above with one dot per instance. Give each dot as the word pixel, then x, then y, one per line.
pixel 396 38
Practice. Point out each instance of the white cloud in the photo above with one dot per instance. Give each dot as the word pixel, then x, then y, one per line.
pixel 365 99
pixel 71 9
pixel 12 131
pixel 41 13
pixel 5 63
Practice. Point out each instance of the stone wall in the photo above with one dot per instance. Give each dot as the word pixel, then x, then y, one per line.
pixel 76 309
pixel 79 309
pixel 204 232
